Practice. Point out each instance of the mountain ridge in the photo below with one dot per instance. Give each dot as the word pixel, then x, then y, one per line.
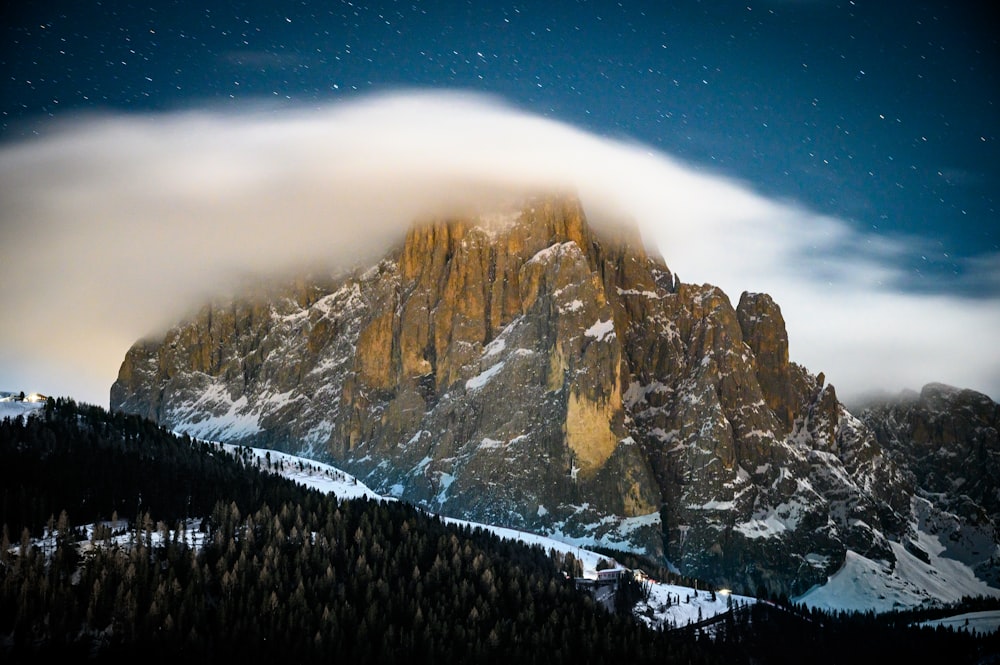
pixel 527 371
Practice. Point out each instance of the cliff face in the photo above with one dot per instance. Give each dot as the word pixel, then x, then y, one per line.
pixel 523 370
pixel 947 442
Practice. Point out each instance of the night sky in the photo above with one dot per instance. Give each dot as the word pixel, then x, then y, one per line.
pixel 883 115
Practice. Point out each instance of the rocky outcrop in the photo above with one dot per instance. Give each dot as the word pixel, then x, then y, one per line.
pixel 763 327
pixel 946 441
pixel 522 369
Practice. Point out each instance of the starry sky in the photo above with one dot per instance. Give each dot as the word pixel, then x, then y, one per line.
pixel 880 115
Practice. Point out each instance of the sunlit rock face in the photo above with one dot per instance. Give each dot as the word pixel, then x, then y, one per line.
pixel 523 369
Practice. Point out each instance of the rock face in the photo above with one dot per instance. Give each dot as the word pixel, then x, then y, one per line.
pixel 947 442
pixel 523 370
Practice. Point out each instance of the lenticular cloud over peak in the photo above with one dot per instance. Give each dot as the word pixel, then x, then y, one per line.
pixel 116 225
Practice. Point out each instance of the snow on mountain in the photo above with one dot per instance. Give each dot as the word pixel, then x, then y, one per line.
pixel 11 406
pixel 977 623
pixel 309 473
pixel 861 584
pixel 673 606
pixel 545 375
pixel 864 584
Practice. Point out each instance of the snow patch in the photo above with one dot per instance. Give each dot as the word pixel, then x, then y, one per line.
pixel 421 466
pixel 671 606
pixel 773 522
pixel 416 437
pixel 477 382
pixel 227 418
pixel 552 251
pixel 601 330
pixel 446 479
pixel 715 505
pixel 14 408
pixel 494 347
pixel 636 292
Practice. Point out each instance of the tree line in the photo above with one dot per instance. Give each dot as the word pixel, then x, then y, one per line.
pixel 282 571
pixel 199 555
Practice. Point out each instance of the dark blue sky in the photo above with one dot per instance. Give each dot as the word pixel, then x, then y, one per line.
pixel 882 113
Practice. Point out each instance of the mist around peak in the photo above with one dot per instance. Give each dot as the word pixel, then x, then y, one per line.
pixel 115 226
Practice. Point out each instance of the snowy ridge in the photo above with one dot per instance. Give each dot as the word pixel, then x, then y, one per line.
pixel 309 473
pixel 556 250
pixel 329 479
pixel 921 575
pixel 11 408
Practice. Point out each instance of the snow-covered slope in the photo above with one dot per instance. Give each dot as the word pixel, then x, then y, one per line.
pixel 672 606
pixel 306 472
pixel 329 479
pixel 978 623
pixel 863 584
pixel 10 407
pixel 926 572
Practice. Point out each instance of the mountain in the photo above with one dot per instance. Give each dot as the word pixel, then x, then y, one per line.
pixel 947 441
pixel 525 368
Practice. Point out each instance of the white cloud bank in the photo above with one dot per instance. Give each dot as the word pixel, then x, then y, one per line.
pixel 114 225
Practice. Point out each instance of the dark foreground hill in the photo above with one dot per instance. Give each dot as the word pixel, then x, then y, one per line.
pixel 278 572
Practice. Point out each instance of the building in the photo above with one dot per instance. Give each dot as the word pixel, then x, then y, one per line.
pixel 609 575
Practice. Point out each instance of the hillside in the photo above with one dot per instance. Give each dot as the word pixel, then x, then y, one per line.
pixel 278 569
pixel 281 570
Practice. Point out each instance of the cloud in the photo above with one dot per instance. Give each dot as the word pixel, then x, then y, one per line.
pixel 115 225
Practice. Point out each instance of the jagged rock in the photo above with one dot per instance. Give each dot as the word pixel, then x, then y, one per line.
pixel 946 441
pixel 522 369
pixel 763 329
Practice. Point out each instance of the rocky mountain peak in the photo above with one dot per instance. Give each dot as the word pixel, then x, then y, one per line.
pixel 764 332
pixel 525 368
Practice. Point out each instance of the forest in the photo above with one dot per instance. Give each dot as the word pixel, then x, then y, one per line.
pixel 122 541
